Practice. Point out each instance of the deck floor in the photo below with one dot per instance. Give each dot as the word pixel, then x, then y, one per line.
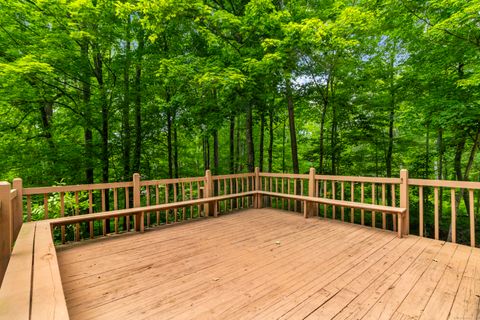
pixel 269 264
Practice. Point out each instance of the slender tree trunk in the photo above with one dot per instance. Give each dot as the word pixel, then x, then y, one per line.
pixel 291 121
pixel 232 145
pixel 262 138
pixel 126 108
pixel 249 134
pixel 440 151
pixel 215 152
pixel 175 144
pixel 238 153
pixel 270 142
pixel 137 154
pixel 334 140
pixel 86 90
pixel 391 120
pixel 322 133
pixel 169 143
pixel 284 139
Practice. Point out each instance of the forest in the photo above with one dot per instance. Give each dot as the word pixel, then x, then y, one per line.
pixel 95 90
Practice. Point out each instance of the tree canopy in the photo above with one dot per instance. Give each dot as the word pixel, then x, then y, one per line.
pixel 95 90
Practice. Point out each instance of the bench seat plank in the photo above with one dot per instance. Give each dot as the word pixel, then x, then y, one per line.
pixel 48 300
pixel 15 292
pixel 139 210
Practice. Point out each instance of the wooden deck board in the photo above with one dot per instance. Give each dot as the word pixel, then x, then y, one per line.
pixel 269 264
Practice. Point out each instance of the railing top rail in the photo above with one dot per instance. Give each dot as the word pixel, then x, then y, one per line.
pixel 171 181
pixel 78 187
pixel 232 176
pixel 284 175
pixel 444 183
pixel 359 179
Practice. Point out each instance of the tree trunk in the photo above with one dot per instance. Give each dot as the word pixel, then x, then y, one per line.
pixel 440 151
pixel 215 152
pixel 270 142
pixel 137 154
pixel 175 144
pixel 262 137
pixel 86 90
pixel 169 143
pixel 232 145
pixel 391 120
pixel 126 108
pixel 291 121
pixel 322 143
pixel 249 134
pixel 334 140
pixel 238 153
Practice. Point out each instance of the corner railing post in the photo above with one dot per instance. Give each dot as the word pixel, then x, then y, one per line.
pixel 257 197
pixel 208 192
pixel 136 202
pixel 311 193
pixel 6 240
pixel 18 214
pixel 404 201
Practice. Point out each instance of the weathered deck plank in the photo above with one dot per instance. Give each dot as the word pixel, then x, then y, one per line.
pixel 268 264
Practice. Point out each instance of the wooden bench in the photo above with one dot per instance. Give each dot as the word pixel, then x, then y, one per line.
pixel 32 287
pixel 140 211
pixel 399 212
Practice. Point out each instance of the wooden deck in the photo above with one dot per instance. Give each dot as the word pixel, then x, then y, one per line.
pixel 269 264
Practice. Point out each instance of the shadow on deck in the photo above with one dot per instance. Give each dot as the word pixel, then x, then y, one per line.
pixel 269 264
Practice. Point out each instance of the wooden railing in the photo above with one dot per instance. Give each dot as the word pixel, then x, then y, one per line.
pixel 305 193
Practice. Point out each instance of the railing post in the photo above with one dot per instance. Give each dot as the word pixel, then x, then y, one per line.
pixel 136 202
pixel 209 208
pixel 404 201
pixel 311 193
pixel 6 240
pixel 18 214
pixel 258 197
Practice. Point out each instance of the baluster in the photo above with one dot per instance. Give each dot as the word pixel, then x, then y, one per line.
pixel 295 192
pixel 62 214
pixel 283 191
pixel 77 212
pixel 435 203
pixel 326 197
pixel 420 208
pixel 394 204
pixel 166 201
pixel 104 208
pixel 238 191
pixel 90 210
pixel 147 194
pixel 342 191
pixel 191 198
pixel 334 208
pixel 115 207
pixel 374 187
pixel 362 199
pixel 472 218
pixel 184 210
pixel 175 211
pixel 384 215
pixel 127 206
pixel 45 205
pixel 157 201
pixel 29 208
pixel 289 192
pixel 352 198
pixel 454 215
